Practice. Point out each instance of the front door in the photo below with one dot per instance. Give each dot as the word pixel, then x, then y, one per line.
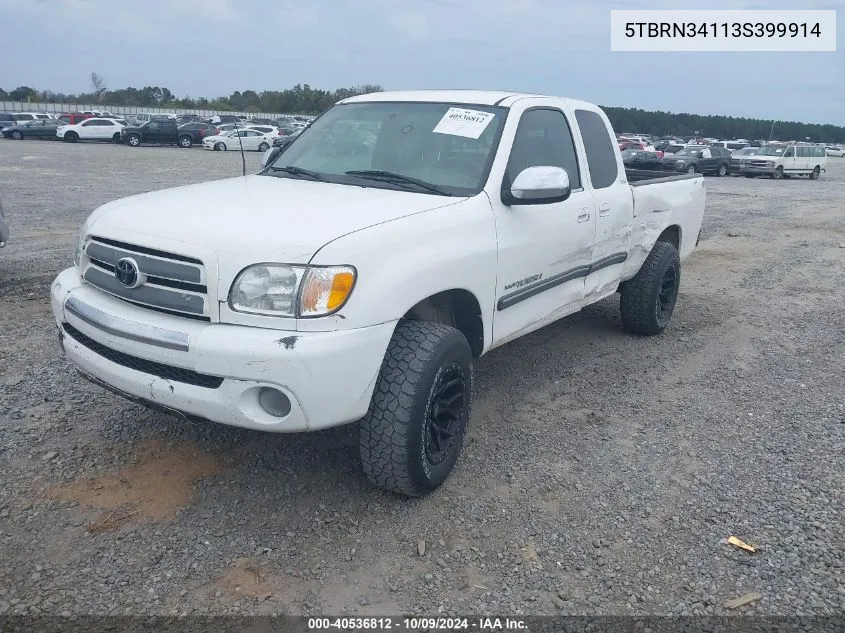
pixel 544 249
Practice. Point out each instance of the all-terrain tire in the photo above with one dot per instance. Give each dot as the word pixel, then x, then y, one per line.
pixel 648 299
pixel 395 441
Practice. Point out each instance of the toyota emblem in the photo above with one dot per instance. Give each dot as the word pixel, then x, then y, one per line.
pixel 127 273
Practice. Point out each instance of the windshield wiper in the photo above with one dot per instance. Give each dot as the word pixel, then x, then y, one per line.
pixel 398 179
pixel 299 171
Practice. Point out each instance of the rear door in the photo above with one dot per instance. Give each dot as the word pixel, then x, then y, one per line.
pixel 544 249
pixel 614 204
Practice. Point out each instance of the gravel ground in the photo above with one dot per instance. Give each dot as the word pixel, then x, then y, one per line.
pixel 602 472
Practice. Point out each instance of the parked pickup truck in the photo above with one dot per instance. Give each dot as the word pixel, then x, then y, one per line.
pixel 359 275
pixel 157 131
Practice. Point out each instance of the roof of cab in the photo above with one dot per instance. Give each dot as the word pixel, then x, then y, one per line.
pixel 464 97
pixel 479 97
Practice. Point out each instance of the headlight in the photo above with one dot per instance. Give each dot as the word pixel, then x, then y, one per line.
pixel 291 291
pixel 680 162
pixel 77 252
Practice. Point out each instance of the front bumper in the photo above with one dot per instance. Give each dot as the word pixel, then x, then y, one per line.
pixel 756 169
pixel 213 370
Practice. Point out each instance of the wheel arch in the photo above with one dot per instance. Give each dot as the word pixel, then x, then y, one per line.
pixel 458 308
pixel 671 235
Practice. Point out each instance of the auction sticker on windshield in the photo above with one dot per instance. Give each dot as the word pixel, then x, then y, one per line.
pixel 462 122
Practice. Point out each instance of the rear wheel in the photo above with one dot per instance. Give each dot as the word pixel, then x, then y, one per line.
pixel 648 300
pixel 413 432
pixel 263 147
pixel 17 135
pixel 116 137
pixel 71 137
pixel 814 175
pixel 185 141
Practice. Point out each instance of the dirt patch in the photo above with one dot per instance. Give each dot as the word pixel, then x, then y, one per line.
pixel 155 487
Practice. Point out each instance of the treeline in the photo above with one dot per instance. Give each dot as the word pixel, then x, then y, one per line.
pixel 303 99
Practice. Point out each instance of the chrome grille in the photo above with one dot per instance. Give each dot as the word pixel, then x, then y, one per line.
pixel 759 163
pixel 174 284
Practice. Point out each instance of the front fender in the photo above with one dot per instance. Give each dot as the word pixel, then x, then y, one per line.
pixel 404 261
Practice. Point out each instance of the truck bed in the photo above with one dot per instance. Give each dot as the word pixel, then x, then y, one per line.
pixel 639 177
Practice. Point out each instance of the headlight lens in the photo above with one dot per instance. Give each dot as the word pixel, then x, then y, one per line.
pixel 77 252
pixel 291 291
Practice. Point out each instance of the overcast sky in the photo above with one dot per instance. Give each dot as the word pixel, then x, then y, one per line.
pixel 560 47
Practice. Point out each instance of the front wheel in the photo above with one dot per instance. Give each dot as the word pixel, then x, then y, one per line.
pixel 263 147
pixel 814 175
pixel 412 434
pixel 71 137
pixel 778 174
pixel 722 170
pixel 185 141
pixel 648 299
pixel 220 147
pixel 133 140
pixel 17 135
pixel 690 169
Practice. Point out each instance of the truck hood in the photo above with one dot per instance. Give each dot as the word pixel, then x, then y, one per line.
pixel 252 219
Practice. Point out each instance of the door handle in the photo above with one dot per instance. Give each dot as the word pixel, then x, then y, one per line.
pixel 604 209
pixel 583 216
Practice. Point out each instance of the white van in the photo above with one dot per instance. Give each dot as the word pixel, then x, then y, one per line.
pixel 793 159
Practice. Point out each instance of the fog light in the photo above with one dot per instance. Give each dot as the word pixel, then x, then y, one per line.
pixel 274 402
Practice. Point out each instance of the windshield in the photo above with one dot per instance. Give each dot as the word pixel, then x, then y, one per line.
pixel 771 150
pixel 442 145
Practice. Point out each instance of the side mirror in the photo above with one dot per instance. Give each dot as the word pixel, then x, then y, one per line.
pixel 270 155
pixel 538 185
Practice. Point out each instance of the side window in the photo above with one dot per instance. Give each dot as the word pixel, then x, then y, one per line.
pixel 790 152
pixel 89 123
pixel 153 125
pixel 801 152
pixel 600 149
pixel 543 138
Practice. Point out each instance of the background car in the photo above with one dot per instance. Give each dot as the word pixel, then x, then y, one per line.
pixel 252 140
pixel 264 129
pixel 739 157
pixel 40 128
pixel 285 140
pixel 71 118
pixel 696 159
pixel 93 129
pixel 197 131
pixel 834 151
pixel 642 159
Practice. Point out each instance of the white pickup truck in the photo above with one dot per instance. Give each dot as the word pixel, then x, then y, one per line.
pixel 357 277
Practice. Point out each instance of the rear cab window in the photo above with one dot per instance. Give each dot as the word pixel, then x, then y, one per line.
pixel 599 147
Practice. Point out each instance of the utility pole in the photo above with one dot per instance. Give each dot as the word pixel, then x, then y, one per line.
pixel 772 131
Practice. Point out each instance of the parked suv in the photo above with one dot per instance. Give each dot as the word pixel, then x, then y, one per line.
pixel 697 159
pixel 159 131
